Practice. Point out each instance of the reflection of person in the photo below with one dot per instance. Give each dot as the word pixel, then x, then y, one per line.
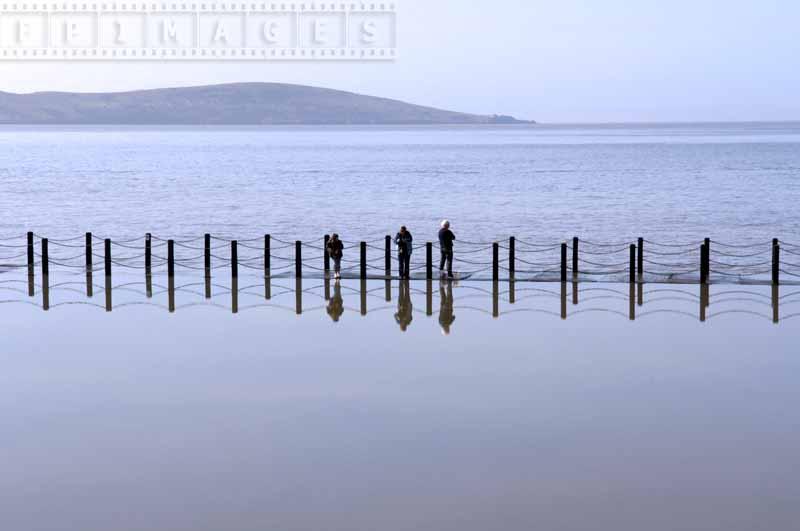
pixel 404 242
pixel 446 238
pixel 335 251
pixel 446 316
pixel 336 305
pixel 404 307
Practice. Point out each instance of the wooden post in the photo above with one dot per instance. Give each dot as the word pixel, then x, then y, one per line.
pixel 170 258
pixel 633 264
pixel 495 262
pixel 776 263
pixel 707 243
pixel 640 257
pixel 326 258
pixel 298 259
pixel 388 258
pixel 148 271
pixel 564 262
pixel 107 264
pixel 207 264
pixel 107 257
pixel 207 255
pixel 45 257
pixel 267 267
pixel 88 266
pixel 512 257
pixel 575 243
pixel 703 255
pixel 45 275
pixel 31 261
pixel 363 248
pixel 234 259
pixel 429 261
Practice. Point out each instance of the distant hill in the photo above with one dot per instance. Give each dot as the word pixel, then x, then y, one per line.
pixel 232 104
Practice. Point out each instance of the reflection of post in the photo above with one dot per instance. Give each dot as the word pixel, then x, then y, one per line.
pixel 31 290
pixel 632 302
pixel 776 302
pixel 363 296
pixel 512 295
pixel 428 297
pixel 235 295
pixel 703 301
pixel 107 260
pixel 267 267
pixel 326 282
pixel 575 292
pixel 564 299
pixel 89 290
pixel 495 299
pixel 171 293
pixel 298 295
pixel 148 264
pixel 388 286
pixel 640 293
pixel 45 275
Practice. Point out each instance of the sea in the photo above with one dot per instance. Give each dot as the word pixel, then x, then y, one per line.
pixel 670 183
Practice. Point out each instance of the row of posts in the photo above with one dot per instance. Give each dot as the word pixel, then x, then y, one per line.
pixel 636 266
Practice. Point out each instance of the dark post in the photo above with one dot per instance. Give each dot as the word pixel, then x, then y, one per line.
pixel 495 262
pixel 707 243
pixel 512 257
pixel 640 257
pixel 107 249
pixel 107 256
pixel 564 300
pixel 564 262
pixel 575 256
pixel 170 258
pixel 363 249
pixel 207 255
pixel 633 264
pixel 632 301
pixel 45 257
pixel 495 299
pixel 267 267
pixel 235 295
pixel 703 301
pixel 88 246
pixel 776 317
pixel 326 259
pixel 298 295
pixel 703 255
pixel 45 276
pixel 30 265
pixel 388 257
pixel 429 261
pixel 148 271
pixel 234 259
pixel 298 259
pixel 428 297
pixel 776 264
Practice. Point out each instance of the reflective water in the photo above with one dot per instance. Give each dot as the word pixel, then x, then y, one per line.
pixel 333 418
pixel 732 182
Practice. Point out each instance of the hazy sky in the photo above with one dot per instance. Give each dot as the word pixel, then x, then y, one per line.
pixel 553 61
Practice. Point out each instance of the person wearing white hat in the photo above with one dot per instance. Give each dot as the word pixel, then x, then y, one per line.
pixel 446 239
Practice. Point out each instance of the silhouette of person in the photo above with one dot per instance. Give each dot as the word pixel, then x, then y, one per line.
pixel 336 305
pixel 446 316
pixel 404 306
pixel 446 238
pixel 405 247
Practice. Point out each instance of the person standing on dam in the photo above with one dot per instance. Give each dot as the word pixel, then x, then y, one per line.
pixel 446 239
pixel 404 242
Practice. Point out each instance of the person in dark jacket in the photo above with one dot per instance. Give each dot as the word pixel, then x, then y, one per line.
pixel 446 239
pixel 336 251
pixel 404 242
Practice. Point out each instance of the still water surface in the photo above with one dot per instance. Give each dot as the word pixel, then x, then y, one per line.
pixel 140 419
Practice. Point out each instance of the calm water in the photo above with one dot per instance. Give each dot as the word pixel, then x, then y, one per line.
pixel 201 419
pixel 668 182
